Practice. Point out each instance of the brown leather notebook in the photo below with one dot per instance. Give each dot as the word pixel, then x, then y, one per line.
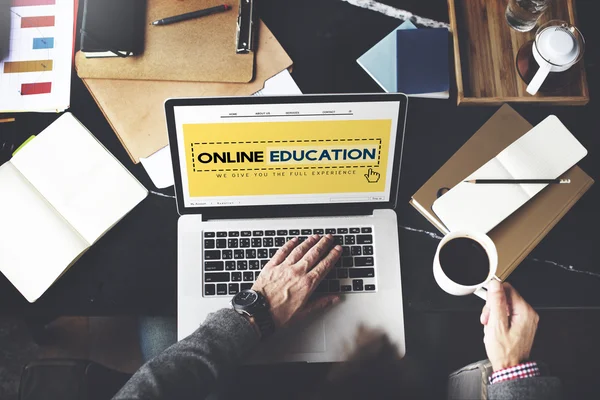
pixel 518 234
pixel 198 50
pixel 135 109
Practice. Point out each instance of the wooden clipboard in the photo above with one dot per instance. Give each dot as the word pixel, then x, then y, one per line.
pixel 198 50
pixel 134 108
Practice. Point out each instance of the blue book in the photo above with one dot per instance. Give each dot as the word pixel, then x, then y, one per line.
pixel 380 60
pixel 422 62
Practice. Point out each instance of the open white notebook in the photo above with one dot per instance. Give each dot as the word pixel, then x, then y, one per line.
pixel 58 195
pixel 545 152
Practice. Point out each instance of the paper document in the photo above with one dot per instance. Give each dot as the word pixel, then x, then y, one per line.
pixel 36 75
pixel 159 167
pixel 280 84
pixel 545 152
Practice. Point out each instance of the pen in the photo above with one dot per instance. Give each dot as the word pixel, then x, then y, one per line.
pixel 192 15
pixel 521 181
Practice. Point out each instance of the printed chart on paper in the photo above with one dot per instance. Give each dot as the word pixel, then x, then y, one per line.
pixel 36 75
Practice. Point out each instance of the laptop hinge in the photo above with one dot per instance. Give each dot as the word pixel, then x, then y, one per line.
pixel 294 213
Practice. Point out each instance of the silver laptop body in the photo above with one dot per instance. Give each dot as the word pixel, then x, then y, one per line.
pixel 223 241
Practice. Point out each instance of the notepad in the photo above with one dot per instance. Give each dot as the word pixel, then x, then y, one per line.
pixel 58 195
pixel 415 64
pixel 113 26
pixel 422 62
pixel 546 151
pixel 380 60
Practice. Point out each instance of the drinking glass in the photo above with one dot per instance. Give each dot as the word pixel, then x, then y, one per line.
pixel 522 15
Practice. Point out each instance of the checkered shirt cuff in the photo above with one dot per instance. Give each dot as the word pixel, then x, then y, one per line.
pixel 525 370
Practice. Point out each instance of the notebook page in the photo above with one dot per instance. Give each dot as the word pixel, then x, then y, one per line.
pixel 36 243
pixel 547 149
pixel 79 177
pixel 469 206
pixel 545 152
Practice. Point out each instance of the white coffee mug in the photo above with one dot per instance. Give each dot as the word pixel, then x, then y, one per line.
pixel 454 288
pixel 557 47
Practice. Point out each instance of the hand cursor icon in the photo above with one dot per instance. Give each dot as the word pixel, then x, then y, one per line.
pixel 372 176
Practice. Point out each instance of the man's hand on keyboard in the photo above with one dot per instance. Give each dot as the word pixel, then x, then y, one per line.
pixel 294 272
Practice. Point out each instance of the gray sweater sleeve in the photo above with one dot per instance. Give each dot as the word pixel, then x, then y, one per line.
pixel 189 368
pixel 537 388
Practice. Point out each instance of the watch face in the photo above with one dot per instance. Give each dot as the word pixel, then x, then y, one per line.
pixel 245 298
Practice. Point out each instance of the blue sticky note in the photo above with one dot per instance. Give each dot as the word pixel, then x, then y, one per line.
pixel 422 64
pixel 380 60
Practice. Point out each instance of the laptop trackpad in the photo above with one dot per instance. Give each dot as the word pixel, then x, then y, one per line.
pixel 304 338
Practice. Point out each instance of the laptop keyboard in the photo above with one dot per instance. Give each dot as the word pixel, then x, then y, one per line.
pixel 233 259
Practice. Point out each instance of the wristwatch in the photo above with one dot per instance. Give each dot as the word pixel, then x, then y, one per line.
pixel 253 304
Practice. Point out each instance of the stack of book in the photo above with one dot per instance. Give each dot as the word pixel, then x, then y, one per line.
pixel 411 61
pixel 518 233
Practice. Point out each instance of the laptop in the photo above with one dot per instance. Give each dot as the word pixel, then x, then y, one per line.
pixel 253 172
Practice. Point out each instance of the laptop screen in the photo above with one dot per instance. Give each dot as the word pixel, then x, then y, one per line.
pixel 286 153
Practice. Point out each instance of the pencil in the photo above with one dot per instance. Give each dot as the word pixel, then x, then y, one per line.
pixel 7 120
pixel 193 14
pixel 521 181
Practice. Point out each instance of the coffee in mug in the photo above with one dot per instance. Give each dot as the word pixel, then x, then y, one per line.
pixel 465 262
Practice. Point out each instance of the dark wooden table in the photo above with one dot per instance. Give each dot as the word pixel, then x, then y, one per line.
pixel 132 270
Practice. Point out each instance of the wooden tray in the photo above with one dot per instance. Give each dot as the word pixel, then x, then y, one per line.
pixel 485 51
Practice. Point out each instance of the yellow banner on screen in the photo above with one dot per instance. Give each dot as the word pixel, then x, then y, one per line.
pixel 287 158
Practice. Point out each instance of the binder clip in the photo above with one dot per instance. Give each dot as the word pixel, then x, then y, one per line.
pixel 246 27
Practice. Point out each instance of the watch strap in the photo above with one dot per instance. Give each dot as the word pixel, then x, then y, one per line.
pixel 264 321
